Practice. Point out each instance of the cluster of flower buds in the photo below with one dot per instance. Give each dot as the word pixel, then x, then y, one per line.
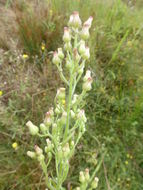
pixel 37 154
pixel 84 177
pixel 85 180
pixel 87 81
pixel 61 94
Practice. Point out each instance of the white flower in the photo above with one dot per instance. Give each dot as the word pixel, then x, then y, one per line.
pixel 87 86
pixel 66 36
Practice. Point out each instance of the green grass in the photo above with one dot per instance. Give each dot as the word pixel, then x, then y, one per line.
pixel 114 107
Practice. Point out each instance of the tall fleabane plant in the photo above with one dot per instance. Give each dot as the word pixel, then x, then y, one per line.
pixel 64 124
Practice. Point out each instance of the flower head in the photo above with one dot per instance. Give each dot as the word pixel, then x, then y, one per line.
pixel 15 145
pixel 75 20
pixel 25 56
pixel 1 92
pixel 56 60
pixel 85 32
pixel 32 128
pixel 66 36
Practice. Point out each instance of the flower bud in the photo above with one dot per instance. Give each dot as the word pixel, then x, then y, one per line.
pixel 60 53
pixel 68 64
pixel 94 184
pixel 78 188
pixel 66 36
pixel 57 109
pixel 38 150
pixel 72 114
pixel 87 176
pixel 56 60
pixel 72 144
pixel 87 85
pixel 32 128
pixel 70 23
pixel 81 69
pixel 60 152
pixel 68 46
pixel 61 93
pixel 75 97
pixel 54 129
pixel 66 150
pixel 82 48
pixel 81 115
pixel 87 75
pixel 77 57
pixel 86 54
pixel 81 177
pixel 41 157
pixel 49 155
pixel 85 32
pixel 43 128
pixel 31 154
pixel 48 119
pixel 63 118
pixel 75 20
pixel 89 21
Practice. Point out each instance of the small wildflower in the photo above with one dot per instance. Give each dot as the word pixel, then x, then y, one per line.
pixel 15 145
pixel 128 155
pixel 43 47
pixel 25 56
pixel 1 92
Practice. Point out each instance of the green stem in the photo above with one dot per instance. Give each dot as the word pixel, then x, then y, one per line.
pixel 69 106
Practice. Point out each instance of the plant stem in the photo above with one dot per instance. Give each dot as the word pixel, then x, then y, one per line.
pixel 69 106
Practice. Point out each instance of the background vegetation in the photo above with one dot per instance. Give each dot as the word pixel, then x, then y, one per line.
pixel 28 85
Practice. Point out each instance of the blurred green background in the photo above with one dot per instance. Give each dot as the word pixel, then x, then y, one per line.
pixel 114 107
